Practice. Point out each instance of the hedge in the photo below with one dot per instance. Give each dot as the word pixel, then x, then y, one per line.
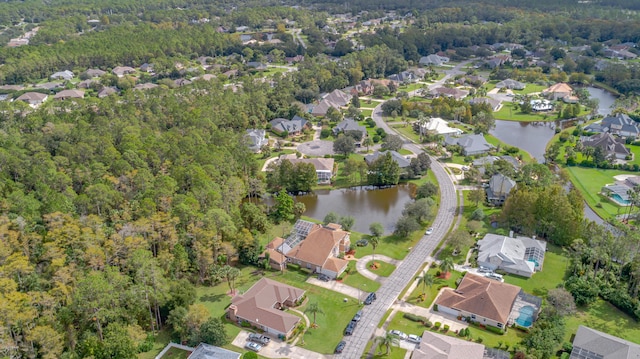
pixel 495 329
pixel 415 318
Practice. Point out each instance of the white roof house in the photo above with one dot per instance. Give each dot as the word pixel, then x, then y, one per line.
pixel 522 256
pixel 437 346
pixel 441 127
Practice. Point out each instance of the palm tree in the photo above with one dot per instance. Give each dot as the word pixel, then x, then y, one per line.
pixel 368 141
pixel 374 241
pixel 387 341
pixel 446 265
pixel 314 309
pixel 426 280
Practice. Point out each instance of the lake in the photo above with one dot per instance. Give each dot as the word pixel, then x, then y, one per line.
pixel 366 205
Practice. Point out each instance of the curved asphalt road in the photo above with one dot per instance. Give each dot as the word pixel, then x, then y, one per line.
pixel 407 270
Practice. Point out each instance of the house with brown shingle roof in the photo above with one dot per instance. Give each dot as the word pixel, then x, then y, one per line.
pixel 67 94
pixel 321 249
pixel 558 91
pixel 263 306
pixel 120 71
pixel 485 301
pixel 33 98
pixel 277 260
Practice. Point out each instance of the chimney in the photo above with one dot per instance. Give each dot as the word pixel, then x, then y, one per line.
pixel 232 313
pixel 511 234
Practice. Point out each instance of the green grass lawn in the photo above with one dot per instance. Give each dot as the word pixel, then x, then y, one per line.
pixel 391 246
pixel 589 181
pixel 606 318
pixel 407 131
pixel 431 292
pixel 357 280
pixel 394 353
pixel 509 113
pixel 367 113
pixel 364 104
pixel 405 152
pixel 175 353
pixel 489 339
pixel 530 88
pixel 552 274
pixel 384 269
pixel 162 339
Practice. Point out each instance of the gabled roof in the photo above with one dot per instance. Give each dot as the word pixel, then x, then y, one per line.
pixel 592 344
pixel 64 94
pixel 433 59
pixel 32 97
pixel 512 252
pixel 106 91
pixel 349 125
pixel 510 84
pixel 500 183
pixel 66 74
pixel 438 346
pixel 317 247
pixel 95 72
pixel 338 98
pixel 145 86
pixel 481 296
pixel 491 101
pixel 559 87
pixel 206 351
pixel 470 143
pixel 440 126
pixel 608 143
pixel 620 120
pixel 122 70
pixel 398 158
pixel 320 164
pixel 450 92
pixel 297 123
pixel 258 304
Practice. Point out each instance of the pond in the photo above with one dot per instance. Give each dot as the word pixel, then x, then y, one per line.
pixel 534 136
pixel 366 205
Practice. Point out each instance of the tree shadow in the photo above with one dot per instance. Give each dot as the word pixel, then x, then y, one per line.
pixel 212 297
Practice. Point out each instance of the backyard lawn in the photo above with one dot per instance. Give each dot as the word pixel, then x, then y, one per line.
pixel 589 181
pixel 432 292
pixel 552 274
pixel 384 269
pixel 606 318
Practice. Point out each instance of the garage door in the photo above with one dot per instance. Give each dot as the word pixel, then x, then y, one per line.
pixel 448 311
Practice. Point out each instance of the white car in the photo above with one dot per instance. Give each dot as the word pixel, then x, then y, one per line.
pixel 398 334
pixel 253 346
pixel 482 269
pixel 429 231
pixel 494 276
pixel 414 338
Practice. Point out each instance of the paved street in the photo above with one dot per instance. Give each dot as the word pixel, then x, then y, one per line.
pixel 405 272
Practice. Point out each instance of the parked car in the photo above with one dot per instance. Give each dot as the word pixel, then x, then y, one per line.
pixel 482 269
pixel 340 347
pixel 350 328
pixel 465 168
pixel 356 318
pixel 259 338
pixel 362 243
pixel 253 346
pixel 414 338
pixel 323 277
pixel 398 334
pixel 494 276
pixel 429 231
pixel 370 298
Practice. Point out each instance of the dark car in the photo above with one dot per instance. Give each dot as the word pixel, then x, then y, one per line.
pixel 350 328
pixel 370 298
pixel 362 243
pixel 323 277
pixel 357 317
pixel 340 347
pixel 259 338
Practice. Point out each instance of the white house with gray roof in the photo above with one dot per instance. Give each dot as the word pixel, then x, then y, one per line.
pixel 433 59
pixel 256 138
pixel 349 125
pixel 522 256
pixel 206 351
pixel 398 158
pixel 471 145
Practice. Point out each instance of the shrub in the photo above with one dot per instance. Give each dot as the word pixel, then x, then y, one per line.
pixel 446 328
pixel 245 324
pixel 479 340
pixel 428 324
pixel 325 133
pixel 437 325
pixel 493 329
pixel 435 307
pixel 415 318
pixel 376 138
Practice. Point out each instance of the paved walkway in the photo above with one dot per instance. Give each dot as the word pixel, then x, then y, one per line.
pixel 306 322
pixel 361 265
pixel 339 287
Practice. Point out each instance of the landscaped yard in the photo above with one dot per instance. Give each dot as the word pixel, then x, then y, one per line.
pixel 395 353
pixel 552 274
pixel 357 280
pixel 606 318
pixel 383 269
pixel 407 131
pixel 391 246
pixel 589 181
pixel 432 292
pixel 175 353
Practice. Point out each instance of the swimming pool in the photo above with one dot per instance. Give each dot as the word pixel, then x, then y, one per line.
pixel 616 197
pixel 525 319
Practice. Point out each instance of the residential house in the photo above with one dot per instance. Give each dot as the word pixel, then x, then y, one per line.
pixel 483 300
pixel 611 146
pixel 521 256
pixel 620 125
pixel 397 158
pixel 146 67
pixel 472 80
pixel 145 86
pixel 85 84
pixel 182 82
pixel 474 144
pixel 495 104
pixel 438 346
pixel 206 351
pixel 295 126
pixel 541 105
pixel 321 109
pixel 33 98
pixel 67 94
pixel 510 84
pixel 592 344
pixel 364 87
pixel 338 98
pixel 620 191
pixel 256 139
pixel 106 91
pixel 317 247
pixel 324 167
pixel 120 71
pixel 404 77
pixel 448 92
pixel 294 59
pixel 439 126
pixel 557 91
pixel 349 125
pixel 49 85
pixel 434 60
pixel 262 306
pixel 500 186
pixel 619 54
pixel 497 61
pixel 62 75
pixel 12 87
pixel 277 260
pixel 482 162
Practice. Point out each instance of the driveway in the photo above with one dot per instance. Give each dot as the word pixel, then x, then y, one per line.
pixel 316 148
pixel 339 287
pixel 278 349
